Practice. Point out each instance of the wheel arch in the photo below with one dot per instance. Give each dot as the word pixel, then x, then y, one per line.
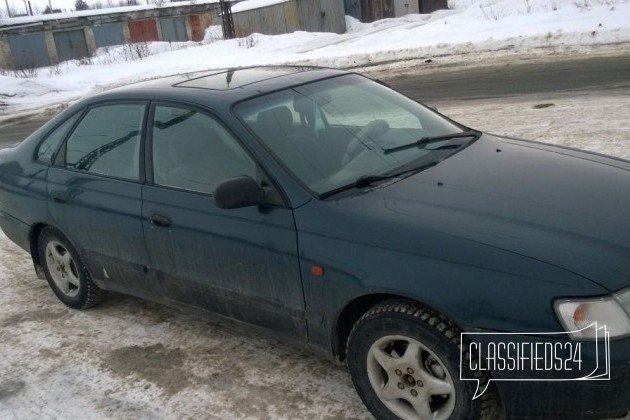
pixel 33 239
pixel 359 305
pixel 351 313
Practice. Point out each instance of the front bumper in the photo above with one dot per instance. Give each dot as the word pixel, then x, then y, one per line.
pixel 568 400
pixel 554 396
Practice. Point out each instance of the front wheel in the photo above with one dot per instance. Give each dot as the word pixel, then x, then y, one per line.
pixel 404 361
pixel 65 272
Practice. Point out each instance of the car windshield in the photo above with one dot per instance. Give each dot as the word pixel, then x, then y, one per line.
pixel 338 133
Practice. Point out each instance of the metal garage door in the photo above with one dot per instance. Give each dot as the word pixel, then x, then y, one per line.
pixel 70 45
pixel 196 28
pixel 29 51
pixel 143 30
pixel 173 29
pixel 108 34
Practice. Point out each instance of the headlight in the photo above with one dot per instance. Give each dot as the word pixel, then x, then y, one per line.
pixel 577 316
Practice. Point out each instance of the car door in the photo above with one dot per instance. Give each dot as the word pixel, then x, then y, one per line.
pixel 95 190
pixel 240 263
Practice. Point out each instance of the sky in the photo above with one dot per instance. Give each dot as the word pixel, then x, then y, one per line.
pixel 64 5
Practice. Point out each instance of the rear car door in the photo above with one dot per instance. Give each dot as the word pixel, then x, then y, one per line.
pixel 240 263
pixel 95 188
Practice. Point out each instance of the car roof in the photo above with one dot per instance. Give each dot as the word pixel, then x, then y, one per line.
pixel 226 86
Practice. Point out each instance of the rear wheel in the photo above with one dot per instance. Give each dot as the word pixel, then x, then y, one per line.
pixel 404 361
pixel 65 272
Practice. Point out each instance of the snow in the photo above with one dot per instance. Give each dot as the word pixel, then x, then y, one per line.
pixel 470 28
pixel 254 4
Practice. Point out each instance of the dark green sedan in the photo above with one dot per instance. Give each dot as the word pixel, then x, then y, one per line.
pixel 460 275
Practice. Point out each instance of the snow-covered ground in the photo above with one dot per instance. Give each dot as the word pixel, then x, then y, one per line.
pixel 133 359
pixel 598 122
pixel 469 28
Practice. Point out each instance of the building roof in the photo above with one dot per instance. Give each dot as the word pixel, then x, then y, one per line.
pixel 24 21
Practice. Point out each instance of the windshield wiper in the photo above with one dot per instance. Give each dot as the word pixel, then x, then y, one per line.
pixel 361 182
pixel 368 180
pixel 433 139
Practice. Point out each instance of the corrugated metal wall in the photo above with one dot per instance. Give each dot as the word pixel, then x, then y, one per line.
pixel 322 15
pixel 143 30
pixel 405 7
pixel 173 29
pixel 372 10
pixel 70 45
pixel 108 34
pixel 281 18
pixel 29 51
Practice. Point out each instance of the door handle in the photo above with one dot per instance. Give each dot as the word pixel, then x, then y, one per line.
pixel 160 221
pixel 59 196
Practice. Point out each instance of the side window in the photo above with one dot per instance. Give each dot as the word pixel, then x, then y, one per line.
pixel 51 144
pixel 194 152
pixel 107 141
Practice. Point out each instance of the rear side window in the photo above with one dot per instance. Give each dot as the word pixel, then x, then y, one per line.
pixel 107 141
pixel 50 145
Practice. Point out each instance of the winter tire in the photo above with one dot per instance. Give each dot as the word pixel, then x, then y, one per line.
pixel 404 361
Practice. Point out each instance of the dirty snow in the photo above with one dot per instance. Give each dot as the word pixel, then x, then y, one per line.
pixel 130 358
pixel 470 28
pixel 597 122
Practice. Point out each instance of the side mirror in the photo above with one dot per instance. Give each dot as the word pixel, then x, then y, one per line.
pixel 241 191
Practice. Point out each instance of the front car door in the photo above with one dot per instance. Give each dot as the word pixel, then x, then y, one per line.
pixel 95 188
pixel 240 263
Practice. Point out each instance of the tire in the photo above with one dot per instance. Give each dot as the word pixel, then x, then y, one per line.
pixel 404 361
pixel 65 271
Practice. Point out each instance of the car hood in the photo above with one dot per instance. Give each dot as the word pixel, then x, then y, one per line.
pixel 561 206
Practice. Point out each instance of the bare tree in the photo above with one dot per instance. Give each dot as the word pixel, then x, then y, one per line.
pixel 81 5
pixel 10 9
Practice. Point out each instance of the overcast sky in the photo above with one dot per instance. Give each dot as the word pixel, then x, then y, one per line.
pixel 18 5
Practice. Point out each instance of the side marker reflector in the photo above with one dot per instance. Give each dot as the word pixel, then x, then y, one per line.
pixel 317 271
